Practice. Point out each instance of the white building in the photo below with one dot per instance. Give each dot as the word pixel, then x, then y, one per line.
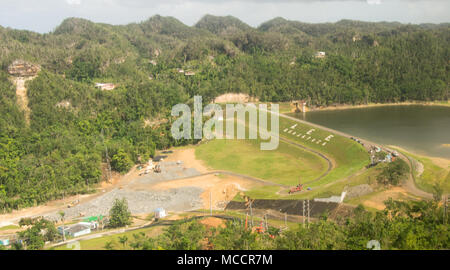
pixel 91 224
pixel 160 213
pixel 75 230
pixel 4 242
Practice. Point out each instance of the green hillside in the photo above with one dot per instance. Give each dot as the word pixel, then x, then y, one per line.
pixel 62 150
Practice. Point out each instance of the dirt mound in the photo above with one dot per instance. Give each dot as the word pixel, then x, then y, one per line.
pixel 20 68
pixel 377 201
pixel 359 190
pixel 221 188
pixel 187 156
pixel 213 222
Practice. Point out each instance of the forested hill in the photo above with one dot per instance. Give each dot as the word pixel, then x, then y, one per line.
pixel 377 62
pixel 160 62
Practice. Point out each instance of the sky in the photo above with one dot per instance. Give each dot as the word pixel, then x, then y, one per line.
pixel 45 15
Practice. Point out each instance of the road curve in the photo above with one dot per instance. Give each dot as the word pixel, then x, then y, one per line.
pixel 330 164
pixel 123 230
pixel 409 185
pixel 319 154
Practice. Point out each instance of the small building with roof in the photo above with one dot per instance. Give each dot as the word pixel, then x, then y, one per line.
pixel 4 242
pixel 75 230
pixel 160 213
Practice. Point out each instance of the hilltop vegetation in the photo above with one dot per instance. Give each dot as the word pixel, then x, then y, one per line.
pixel 365 62
pixel 63 149
pixel 401 226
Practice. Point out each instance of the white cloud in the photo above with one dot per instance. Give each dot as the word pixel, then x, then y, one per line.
pixel 73 2
pixel 374 2
pixel 45 15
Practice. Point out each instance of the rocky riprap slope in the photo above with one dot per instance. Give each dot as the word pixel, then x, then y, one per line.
pixel 20 68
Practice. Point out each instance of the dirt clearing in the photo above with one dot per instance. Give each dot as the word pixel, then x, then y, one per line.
pixel 213 222
pixel 222 188
pixel 21 93
pixel 377 200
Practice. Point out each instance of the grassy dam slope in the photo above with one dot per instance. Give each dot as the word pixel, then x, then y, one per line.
pixel 317 158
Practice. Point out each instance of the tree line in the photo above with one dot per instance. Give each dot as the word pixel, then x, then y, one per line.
pixel 401 226
pixel 73 125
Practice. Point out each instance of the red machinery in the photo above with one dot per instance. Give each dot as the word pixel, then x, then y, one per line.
pixel 297 188
pixel 260 229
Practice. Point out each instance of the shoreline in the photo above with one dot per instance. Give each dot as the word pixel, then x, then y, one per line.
pixel 370 105
pixel 439 161
pixel 444 163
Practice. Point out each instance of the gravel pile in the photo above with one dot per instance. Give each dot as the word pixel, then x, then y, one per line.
pixel 359 190
pixel 180 199
pixel 169 171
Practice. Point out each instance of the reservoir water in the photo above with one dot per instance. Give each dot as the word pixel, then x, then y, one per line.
pixel 420 129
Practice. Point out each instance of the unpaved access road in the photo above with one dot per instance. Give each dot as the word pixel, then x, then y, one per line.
pixel 409 185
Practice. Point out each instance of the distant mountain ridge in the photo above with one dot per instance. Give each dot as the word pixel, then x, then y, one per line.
pixel 57 147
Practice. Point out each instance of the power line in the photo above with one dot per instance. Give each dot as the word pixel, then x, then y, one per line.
pixel 308 213
pixel 251 212
pixel 303 208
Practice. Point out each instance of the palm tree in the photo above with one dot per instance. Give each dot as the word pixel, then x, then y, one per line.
pixel 62 214
pixel 109 245
pixel 123 240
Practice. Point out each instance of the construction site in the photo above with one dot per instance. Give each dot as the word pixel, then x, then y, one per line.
pixel 176 183
pixel 206 180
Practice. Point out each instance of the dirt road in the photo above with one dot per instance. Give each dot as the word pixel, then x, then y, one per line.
pixel 409 185
pixel 21 93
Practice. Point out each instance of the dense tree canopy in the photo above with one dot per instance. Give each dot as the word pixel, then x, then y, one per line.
pixel 119 214
pixel 73 125
pixel 402 225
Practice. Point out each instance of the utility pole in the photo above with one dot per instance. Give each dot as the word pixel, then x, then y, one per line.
pixel 303 208
pixel 251 212
pixel 308 213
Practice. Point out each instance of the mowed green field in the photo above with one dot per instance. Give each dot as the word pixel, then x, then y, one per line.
pixel 286 165
pixel 348 156
pixel 432 173
pixel 9 227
